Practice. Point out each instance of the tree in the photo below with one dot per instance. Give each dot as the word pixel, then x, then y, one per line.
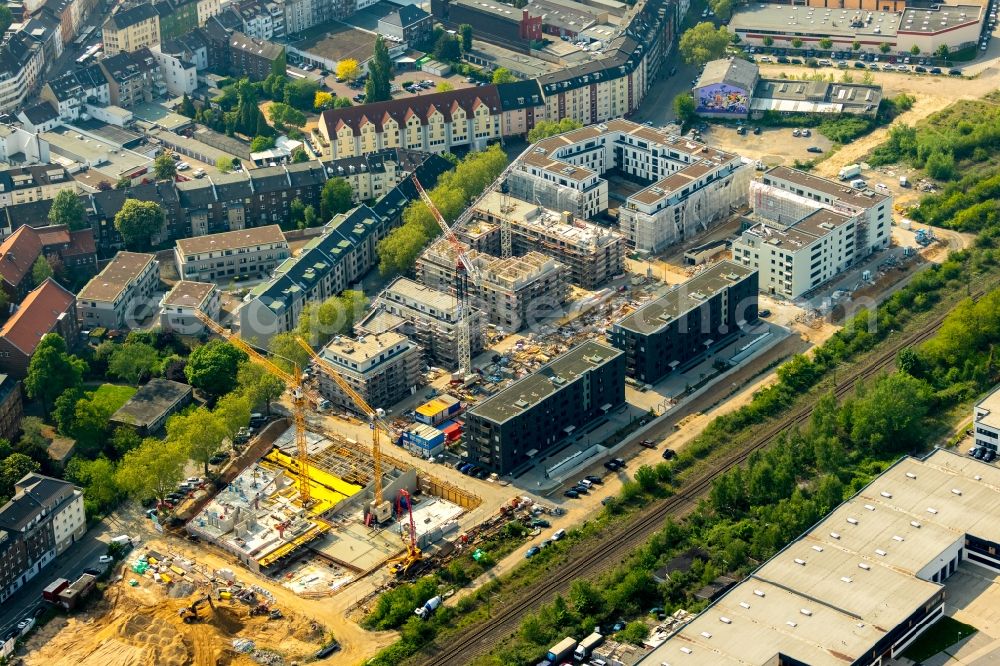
pixel 124 439
pixel 723 9
pixel 323 100
pixel 123 183
pixel 348 69
pixel 247 111
pixel 886 416
pixel 826 43
pixel 341 103
pixel 297 212
pixel 200 432
pixel 704 42
pixel 41 270
pixel 321 321
pixel 262 143
pixel 884 47
pixel 13 468
pixel 234 411
pixel 942 51
pixel 287 353
pixel 301 94
pixel 212 367
pixel 153 469
pixel 52 370
pixel 635 632
pixel 299 155
pixel 138 221
pixel 796 43
pixel 64 410
pixel 465 32
pixel 503 75
pixel 6 18
pixel 443 86
pixel 282 114
pixel 225 164
pixel 262 129
pixel 91 420
pixel 309 218
pixel 856 45
pixel 187 107
pixel 940 165
pixel 915 50
pixel 546 128
pixel 68 209
pixel 98 480
pixel 447 48
pixel 164 167
pixel 768 41
pixel 259 385
pixel 335 198
pixel 377 87
pixel 133 362
pixel 685 108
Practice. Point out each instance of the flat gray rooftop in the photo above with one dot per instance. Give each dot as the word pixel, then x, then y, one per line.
pixel 684 298
pixel 782 19
pixel 549 379
pixel 838 191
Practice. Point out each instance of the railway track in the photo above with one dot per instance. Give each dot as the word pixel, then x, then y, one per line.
pixel 590 560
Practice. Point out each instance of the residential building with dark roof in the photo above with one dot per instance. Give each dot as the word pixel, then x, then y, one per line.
pixel 176 17
pixel 49 308
pixel 262 19
pixel 131 28
pixel 408 24
pixel 373 174
pixel 231 255
pixel 120 295
pixel 22 60
pixel 74 249
pixel 253 57
pixel 105 204
pixel 42 520
pixel 148 410
pixel 521 105
pixel 52 31
pixel 40 117
pixel 491 20
pixel 15 216
pixel 518 425
pixel 72 91
pixel 11 408
pixel 33 183
pixel 133 77
pixel 434 123
pixel 180 306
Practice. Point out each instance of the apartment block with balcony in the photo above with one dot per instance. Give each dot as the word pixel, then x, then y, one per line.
pixel 519 425
pixel 231 255
pixel 682 325
pixel 180 306
pixel 383 369
pixel 22 60
pixel 73 91
pixel 134 77
pixel 131 28
pixel 121 294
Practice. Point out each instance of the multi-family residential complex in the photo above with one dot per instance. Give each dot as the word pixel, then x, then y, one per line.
pixel 427 316
pixel 383 369
pixel 806 230
pixel 435 123
pixel 331 262
pixel 131 28
pixel 373 174
pixel 592 254
pixel 409 24
pixel 253 57
pixel 231 255
pixel 512 293
pixel 121 294
pixel 42 520
pixel 73 91
pixel 865 582
pixel 22 60
pixel 692 186
pixel 180 305
pixel 133 77
pixel 684 324
pixel 522 422
pixel 33 183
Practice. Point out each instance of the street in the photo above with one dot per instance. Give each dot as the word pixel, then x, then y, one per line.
pixel 658 107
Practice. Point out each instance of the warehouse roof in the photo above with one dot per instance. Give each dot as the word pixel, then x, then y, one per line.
pixel 830 596
pixel 731 71
pixel 832 22
pixel 549 379
pixel 685 297
pixel 991 405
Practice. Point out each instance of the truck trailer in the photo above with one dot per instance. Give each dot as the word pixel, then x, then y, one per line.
pixel 561 650
pixel 850 171
pixel 587 646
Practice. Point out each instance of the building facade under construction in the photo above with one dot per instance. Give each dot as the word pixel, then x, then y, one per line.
pixel 512 293
pixel 688 186
pixel 591 253
pixel 383 369
pixel 428 316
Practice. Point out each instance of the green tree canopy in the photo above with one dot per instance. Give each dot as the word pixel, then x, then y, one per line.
pixel 685 108
pixel 133 362
pixel 321 321
pixel 153 469
pixel 260 386
pixel 825 43
pixel 335 198
pixel 225 164
pixel 6 18
pixel 41 270
pixel 200 432
pixel 299 156
pixel 68 209
pixel 52 370
pixel 546 128
pixel 13 468
pixel 261 143
pixel 212 367
pixel 164 167
pixel 97 477
pixel 448 48
pixel 703 42
pixel 187 107
pixel 300 94
pixel 465 33
pixel 378 86
pixel 287 354
pixel 503 75
pixel 138 221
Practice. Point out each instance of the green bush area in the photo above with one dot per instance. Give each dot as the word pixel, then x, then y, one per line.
pixel 842 128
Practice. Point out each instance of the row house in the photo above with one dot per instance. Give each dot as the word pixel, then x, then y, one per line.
pixel 373 174
pixel 22 60
pixel 436 123
pixel 261 19
pixel 33 183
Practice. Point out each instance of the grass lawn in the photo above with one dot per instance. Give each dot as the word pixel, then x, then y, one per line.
pixel 114 394
pixel 942 635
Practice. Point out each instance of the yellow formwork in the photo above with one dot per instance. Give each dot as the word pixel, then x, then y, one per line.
pixel 326 490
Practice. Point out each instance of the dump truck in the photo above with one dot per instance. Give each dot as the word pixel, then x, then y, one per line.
pixel 425 611
pixel 52 590
pixel 587 646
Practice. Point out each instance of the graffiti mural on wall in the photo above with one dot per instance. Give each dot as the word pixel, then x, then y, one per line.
pixel 722 98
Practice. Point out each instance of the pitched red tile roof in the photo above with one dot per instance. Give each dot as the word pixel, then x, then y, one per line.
pixel 81 242
pixel 37 315
pixel 18 253
pixel 423 106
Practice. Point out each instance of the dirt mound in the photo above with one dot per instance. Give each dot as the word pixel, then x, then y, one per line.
pixel 181 590
pixel 227 621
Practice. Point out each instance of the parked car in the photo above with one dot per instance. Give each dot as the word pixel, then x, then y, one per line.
pixel 581 489
pixel 920 69
pixel 669 454
pixel 814 149
pixel 648 443
pixel 756 130
pixel 935 70
pixel 954 72
pixel 586 483
pixel 540 522
pixel 859 64
pixel 105 559
pixel 796 132
pixel 558 534
pixel 764 313
pixel 612 465
pixel 619 461
pixel 572 494
pixel 594 479
pixel 990 456
pixel 807 132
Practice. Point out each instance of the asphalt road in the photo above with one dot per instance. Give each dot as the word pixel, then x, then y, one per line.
pixel 81 555
pixel 658 107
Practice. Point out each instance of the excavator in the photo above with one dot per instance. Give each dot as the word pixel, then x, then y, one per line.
pixel 402 565
pixel 190 613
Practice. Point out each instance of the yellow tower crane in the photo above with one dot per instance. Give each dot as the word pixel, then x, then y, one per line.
pixel 381 509
pixel 293 381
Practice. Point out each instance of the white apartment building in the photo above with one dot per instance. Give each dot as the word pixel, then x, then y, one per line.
pixel 795 259
pixel 179 306
pixel 121 294
pixel 180 74
pixel 232 254
pixel 692 185
pixel 987 417
pixel 22 60
pixel 383 369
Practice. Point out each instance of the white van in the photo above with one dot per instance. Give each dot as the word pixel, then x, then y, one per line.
pixel 558 534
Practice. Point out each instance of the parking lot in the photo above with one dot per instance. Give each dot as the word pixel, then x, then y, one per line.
pixel 773 146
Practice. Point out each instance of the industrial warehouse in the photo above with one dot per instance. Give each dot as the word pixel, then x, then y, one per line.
pixel 865 582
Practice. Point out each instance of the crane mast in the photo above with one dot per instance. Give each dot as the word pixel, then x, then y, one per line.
pixel 382 509
pixel 294 383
